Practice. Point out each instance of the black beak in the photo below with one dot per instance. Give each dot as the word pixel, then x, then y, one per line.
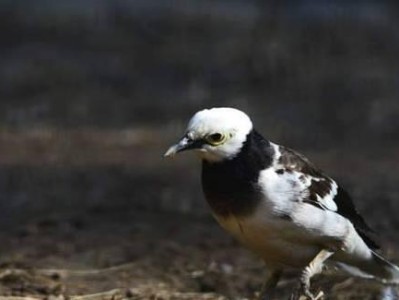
pixel 185 144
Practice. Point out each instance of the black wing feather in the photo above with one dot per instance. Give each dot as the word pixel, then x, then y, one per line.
pixel 296 161
pixel 347 209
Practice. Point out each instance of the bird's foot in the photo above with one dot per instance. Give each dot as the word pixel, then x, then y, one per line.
pixel 303 293
pixel 310 296
pixel 320 296
pixel 313 268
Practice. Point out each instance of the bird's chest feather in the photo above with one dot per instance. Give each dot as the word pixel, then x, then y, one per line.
pixel 275 240
pixel 231 186
pixel 231 189
pixel 249 208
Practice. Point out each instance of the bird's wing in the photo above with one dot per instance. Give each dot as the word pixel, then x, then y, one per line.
pixel 323 192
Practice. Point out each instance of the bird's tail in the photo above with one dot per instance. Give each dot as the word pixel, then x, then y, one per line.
pixel 384 269
pixel 376 267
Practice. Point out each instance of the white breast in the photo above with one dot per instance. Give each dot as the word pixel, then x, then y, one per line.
pixel 283 230
pixel 274 242
pixel 287 231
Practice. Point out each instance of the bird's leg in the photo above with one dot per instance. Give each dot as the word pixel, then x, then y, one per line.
pixel 269 284
pixel 313 268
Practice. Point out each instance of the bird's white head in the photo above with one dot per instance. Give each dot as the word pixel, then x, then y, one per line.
pixel 216 134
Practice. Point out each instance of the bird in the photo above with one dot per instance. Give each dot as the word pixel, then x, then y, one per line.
pixel 278 204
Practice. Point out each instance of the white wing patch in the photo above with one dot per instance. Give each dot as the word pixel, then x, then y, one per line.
pixel 327 201
pixel 285 185
pixel 285 189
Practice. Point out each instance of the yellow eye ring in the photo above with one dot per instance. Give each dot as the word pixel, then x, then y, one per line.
pixel 215 139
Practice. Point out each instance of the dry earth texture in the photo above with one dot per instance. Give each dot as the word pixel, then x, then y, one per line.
pixel 133 226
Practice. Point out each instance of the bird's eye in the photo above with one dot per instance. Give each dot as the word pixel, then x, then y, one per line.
pixel 215 138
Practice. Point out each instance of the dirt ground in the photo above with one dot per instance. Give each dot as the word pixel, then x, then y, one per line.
pixel 143 255
pixel 108 248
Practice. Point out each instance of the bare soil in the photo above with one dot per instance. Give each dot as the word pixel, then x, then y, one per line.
pixel 120 224
pixel 143 255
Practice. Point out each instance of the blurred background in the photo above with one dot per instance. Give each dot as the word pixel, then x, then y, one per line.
pixel 93 92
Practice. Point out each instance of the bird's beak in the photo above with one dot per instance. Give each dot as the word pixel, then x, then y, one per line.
pixel 184 144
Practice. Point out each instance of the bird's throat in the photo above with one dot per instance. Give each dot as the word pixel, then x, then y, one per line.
pixel 231 186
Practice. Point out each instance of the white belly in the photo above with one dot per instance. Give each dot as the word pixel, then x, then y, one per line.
pixel 278 242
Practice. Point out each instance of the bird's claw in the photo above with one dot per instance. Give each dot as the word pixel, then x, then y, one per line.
pixel 320 296
pixel 303 293
pixel 310 296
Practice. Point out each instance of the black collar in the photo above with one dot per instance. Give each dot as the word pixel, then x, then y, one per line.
pixel 231 186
